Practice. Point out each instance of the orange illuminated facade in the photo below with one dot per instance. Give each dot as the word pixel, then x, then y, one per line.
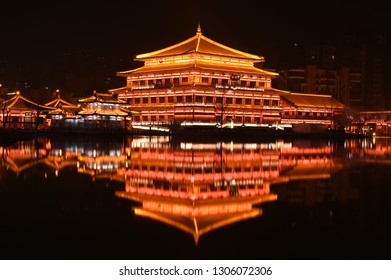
pixel 201 82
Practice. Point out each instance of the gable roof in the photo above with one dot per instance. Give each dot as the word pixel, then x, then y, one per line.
pixel 199 44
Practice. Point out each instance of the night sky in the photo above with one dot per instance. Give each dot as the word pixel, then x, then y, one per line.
pixel 78 46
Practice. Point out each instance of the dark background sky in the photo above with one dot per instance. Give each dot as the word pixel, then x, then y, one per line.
pixel 80 45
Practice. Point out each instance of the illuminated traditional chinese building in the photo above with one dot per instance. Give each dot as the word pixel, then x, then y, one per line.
pixel 21 113
pixel 201 82
pixel 64 114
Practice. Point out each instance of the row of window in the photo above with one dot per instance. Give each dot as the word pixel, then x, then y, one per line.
pixel 204 100
pixel 181 170
pixel 167 83
pixel 170 118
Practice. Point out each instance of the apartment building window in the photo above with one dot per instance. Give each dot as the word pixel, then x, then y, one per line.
pixel 257 102
pixel 162 99
pixel 229 100
pixel 247 101
pixel 239 101
pixel 209 99
pixel 171 99
pixel 153 99
pixel 145 100
pixel 215 81
pixel 266 102
pixel 205 80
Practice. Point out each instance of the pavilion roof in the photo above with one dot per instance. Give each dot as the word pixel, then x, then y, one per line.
pixel 19 102
pixel 313 100
pixel 103 98
pixel 199 44
pixel 59 102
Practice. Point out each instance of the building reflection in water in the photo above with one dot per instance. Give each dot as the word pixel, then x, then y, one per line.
pixel 199 187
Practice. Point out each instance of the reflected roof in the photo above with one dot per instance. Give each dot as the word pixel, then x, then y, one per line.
pixel 198 217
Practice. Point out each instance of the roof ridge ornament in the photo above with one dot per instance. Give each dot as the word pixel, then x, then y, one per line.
pixel 199 29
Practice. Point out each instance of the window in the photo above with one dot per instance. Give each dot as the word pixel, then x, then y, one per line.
pixel 179 99
pixel 209 99
pixel 185 80
pixel 247 101
pixel 239 101
pixel 215 81
pixel 171 99
pixel 153 99
pixel 189 99
pixel 266 102
pixel 135 83
pixel 229 100
pixel 205 80
pixel 142 83
pixel 176 82
pixel 252 84
pixel 224 82
pixel 247 119
pixel 150 82
pixel 257 102
pixel 145 100
pixel 162 99
pixel 199 99
pixel 275 103
pixel 243 83
pixel 137 101
pixel 219 100
pixel 167 83
pixel 161 118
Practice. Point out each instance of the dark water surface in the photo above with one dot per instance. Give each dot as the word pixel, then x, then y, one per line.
pixel 155 198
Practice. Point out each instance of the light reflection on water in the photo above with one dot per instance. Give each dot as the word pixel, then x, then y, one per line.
pixel 150 197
